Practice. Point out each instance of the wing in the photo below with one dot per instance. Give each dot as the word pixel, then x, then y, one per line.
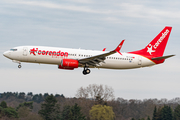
pixel 95 60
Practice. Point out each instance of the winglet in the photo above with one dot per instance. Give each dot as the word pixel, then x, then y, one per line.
pixel 104 49
pixel 119 47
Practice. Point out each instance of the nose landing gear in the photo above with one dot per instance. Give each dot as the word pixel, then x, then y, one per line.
pixel 15 61
pixel 19 66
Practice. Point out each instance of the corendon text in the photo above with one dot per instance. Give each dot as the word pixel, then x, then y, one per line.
pixel 35 51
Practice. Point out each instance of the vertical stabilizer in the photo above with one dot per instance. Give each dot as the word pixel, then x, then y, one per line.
pixel 157 46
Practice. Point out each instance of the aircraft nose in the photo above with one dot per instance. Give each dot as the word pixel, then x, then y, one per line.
pixel 6 54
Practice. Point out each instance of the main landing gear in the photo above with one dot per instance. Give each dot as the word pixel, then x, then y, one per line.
pixel 86 70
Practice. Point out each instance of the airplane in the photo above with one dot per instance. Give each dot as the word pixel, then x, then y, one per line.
pixel 70 59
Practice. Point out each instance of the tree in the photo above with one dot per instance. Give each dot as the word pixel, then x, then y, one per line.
pixel 155 114
pixel 35 98
pixel 40 99
pixel 72 113
pixel 166 113
pixel 29 96
pixel 30 93
pixel 57 95
pixel 46 95
pixel 100 100
pixel 148 118
pixel 101 112
pixel 62 96
pixel 159 114
pixel 7 111
pixel 76 112
pixel 92 91
pixel 23 112
pixel 142 119
pixel 3 104
pixel 177 113
pixel 50 108
pixel 26 104
pixel 10 112
pixel 66 113
pixel 21 95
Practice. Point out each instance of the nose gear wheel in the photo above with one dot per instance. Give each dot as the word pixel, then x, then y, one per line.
pixel 19 66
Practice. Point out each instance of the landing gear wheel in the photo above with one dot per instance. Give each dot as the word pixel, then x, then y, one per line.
pixel 88 71
pixel 84 72
pixel 19 66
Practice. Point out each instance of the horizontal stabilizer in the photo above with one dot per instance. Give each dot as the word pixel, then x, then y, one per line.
pixel 163 57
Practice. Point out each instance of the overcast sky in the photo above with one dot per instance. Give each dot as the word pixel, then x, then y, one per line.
pixel 90 24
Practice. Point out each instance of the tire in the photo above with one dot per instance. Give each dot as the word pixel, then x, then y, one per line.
pixel 88 71
pixel 84 72
pixel 19 66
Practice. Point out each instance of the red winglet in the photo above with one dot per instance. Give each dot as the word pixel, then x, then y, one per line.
pixel 104 49
pixel 119 47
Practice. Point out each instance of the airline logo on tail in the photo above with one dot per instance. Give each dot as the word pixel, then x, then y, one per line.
pixel 150 49
pixel 159 41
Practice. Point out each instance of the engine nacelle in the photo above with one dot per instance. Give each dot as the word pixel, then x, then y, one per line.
pixel 60 67
pixel 68 64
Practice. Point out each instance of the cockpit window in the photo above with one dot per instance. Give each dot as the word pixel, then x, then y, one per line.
pixel 13 49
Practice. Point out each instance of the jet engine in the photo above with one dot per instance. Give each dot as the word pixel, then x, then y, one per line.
pixel 68 64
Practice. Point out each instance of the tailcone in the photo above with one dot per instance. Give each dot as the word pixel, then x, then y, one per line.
pixel 158 61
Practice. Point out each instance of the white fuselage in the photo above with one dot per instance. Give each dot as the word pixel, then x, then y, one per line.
pixel 54 55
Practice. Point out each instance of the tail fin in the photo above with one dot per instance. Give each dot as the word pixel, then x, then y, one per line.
pixel 157 46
